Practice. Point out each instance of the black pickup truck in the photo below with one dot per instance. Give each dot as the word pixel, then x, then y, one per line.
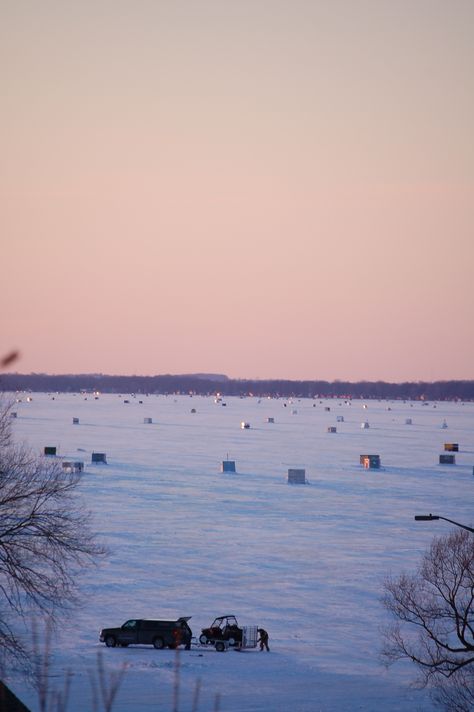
pixel 160 634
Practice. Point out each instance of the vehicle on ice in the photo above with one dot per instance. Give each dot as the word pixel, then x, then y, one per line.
pixel 225 633
pixel 160 634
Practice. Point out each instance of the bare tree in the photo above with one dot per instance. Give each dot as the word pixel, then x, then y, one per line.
pixel 434 612
pixel 49 699
pixel 45 537
pixel 457 693
pixel 105 687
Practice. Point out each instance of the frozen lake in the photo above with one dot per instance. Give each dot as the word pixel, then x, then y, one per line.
pixel 306 562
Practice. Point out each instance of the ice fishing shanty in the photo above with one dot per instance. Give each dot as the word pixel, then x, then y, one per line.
pixel 447 459
pixel 370 462
pixel 50 451
pixel 296 476
pixel 228 466
pixel 99 458
pixel 77 466
pixel 451 447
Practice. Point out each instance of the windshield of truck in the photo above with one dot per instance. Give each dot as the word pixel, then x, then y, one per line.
pixel 129 625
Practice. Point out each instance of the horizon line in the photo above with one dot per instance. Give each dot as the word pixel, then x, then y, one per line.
pixel 218 377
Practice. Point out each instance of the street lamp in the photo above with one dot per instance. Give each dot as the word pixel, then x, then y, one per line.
pixel 431 517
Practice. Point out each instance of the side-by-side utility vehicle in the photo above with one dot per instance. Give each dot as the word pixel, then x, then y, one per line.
pixel 224 632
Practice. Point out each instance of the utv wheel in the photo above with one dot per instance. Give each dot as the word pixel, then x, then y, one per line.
pixel 110 641
pixel 231 641
pixel 220 647
pixel 203 639
pixel 159 643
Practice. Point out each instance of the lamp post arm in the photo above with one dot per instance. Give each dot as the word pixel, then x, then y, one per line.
pixel 463 526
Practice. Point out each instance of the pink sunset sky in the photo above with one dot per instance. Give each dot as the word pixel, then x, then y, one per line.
pixel 262 188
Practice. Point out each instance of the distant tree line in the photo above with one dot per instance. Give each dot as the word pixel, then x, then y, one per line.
pixel 198 384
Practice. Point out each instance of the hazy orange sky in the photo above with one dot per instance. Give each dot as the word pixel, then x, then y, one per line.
pixel 265 188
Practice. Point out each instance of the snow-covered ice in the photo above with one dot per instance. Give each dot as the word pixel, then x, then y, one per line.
pixel 306 562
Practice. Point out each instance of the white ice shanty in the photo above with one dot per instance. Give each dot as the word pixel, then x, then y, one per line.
pixel 76 466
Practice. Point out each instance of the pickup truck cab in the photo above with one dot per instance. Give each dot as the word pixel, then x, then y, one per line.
pixel 160 634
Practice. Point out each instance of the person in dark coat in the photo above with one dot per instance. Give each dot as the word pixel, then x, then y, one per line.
pixel 263 640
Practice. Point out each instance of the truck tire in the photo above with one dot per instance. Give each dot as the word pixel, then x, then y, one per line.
pixel 110 641
pixel 220 646
pixel 203 639
pixel 159 643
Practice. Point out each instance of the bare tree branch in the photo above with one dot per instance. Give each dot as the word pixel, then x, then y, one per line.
pixel 10 358
pixel 46 537
pixel 107 685
pixel 433 610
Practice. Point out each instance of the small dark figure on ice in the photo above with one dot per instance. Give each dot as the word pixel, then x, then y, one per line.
pixel 263 640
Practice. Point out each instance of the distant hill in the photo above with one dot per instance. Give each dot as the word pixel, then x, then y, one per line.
pixel 220 377
pixel 207 384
